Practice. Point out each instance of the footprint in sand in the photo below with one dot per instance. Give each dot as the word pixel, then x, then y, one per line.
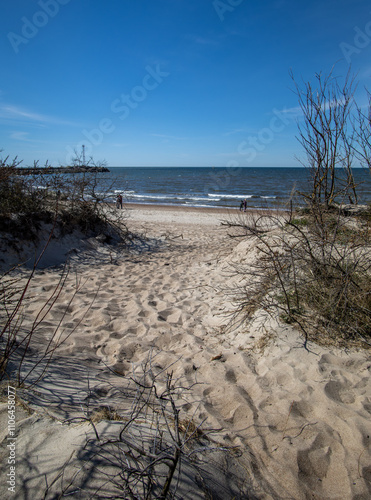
pixel 315 461
pixel 367 405
pixel 339 392
pixel 172 315
pixel 230 376
pixel 121 368
pixel 207 391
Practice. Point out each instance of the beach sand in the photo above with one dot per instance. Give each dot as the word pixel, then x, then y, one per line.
pixel 297 420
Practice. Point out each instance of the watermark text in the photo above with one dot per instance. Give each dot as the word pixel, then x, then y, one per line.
pixel 225 6
pixel 11 446
pixel 31 27
pixel 121 107
pixel 361 40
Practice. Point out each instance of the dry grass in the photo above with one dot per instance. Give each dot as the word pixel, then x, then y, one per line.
pixel 105 413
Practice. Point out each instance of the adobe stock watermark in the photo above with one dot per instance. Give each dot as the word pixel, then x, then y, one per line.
pixel 257 143
pixel 249 150
pixel 11 446
pixel 31 27
pixel 361 40
pixel 221 179
pixel 223 6
pixel 122 107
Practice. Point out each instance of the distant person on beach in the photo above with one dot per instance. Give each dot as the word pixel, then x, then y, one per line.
pixel 119 201
pixel 244 205
pixel 241 205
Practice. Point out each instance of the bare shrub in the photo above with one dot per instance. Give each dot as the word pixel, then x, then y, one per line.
pixel 327 137
pixel 86 203
pixel 316 276
pixel 314 264
pixel 62 202
pixel 24 354
pixel 80 200
pixel 22 206
pixel 152 451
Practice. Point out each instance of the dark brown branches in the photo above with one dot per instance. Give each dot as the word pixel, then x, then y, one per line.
pixel 327 138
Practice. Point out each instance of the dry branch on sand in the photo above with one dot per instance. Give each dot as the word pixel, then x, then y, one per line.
pixel 154 452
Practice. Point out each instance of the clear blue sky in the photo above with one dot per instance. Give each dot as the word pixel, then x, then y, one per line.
pixel 169 82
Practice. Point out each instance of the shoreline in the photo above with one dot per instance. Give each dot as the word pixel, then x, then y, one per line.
pixel 187 216
pixel 180 208
pixel 157 207
pixel 157 216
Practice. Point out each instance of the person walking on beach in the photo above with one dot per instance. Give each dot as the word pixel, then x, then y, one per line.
pixel 119 201
pixel 244 205
pixel 241 205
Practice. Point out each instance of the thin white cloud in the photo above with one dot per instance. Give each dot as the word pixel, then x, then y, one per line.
pixel 12 112
pixel 295 111
pixel 22 136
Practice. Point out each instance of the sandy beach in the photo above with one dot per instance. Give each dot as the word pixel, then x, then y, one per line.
pixel 296 421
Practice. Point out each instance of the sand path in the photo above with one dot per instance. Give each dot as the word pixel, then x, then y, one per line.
pixel 300 419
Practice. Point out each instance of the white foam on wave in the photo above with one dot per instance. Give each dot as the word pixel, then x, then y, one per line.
pixel 152 197
pixel 167 197
pixel 232 196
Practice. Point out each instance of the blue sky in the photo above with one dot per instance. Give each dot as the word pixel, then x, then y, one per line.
pixel 169 82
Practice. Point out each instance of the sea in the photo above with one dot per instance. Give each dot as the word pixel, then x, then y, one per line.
pixel 218 187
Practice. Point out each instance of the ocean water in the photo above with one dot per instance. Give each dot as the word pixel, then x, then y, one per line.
pixel 216 187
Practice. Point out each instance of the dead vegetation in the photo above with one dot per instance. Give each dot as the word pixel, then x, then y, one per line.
pixel 145 447
pixel 66 201
pixel 313 264
pixel 317 278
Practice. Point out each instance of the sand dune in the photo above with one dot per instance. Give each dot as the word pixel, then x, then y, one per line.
pixel 300 419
